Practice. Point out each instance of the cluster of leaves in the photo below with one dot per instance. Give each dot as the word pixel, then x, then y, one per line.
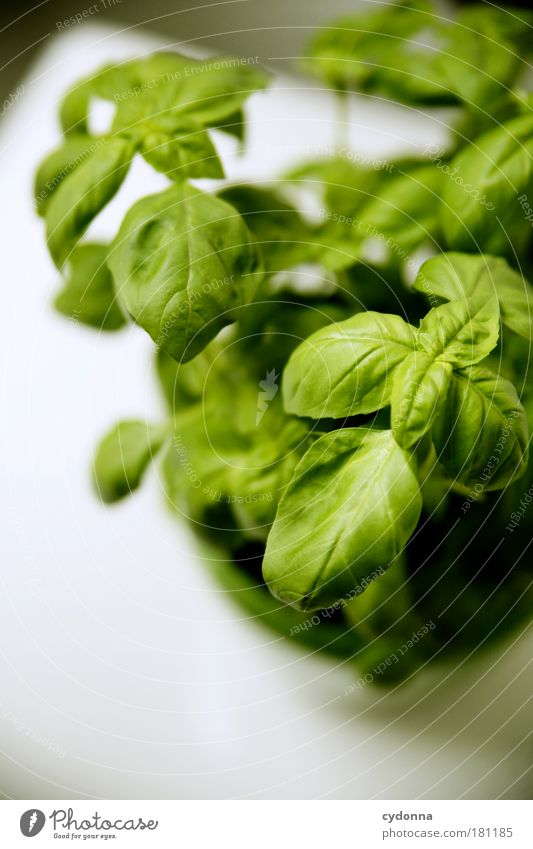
pixel 413 53
pixel 399 434
pixel 165 105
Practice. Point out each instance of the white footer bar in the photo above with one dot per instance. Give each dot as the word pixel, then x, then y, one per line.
pixel 268 824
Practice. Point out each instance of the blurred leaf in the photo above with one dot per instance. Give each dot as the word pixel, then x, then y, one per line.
pixel 123 456
pixel 81 196
pixel 88 295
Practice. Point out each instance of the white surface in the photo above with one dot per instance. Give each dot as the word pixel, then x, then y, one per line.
pixel 125 672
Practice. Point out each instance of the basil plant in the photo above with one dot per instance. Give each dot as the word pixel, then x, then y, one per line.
pixel 347 423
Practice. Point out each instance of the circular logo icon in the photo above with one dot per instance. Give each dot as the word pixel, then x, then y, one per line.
pixel 32 822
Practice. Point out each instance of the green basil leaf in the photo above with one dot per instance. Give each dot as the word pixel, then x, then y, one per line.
pixel 123 456
pixel 350 508
pixel 273 326
pixel 481 434
pixel 455 276
pixel 199 461
pixel 515 294
pixel 380 51
pixel 461 332
pixel 81 196
pixel 208 92
pixel 347 367
pixel 343 183
pixel 384 605
pixel 385 616
pixel 343 188
pixel 163 89
pixel 419 390
pixel 184 263
pixel 405 212
pixel 482 198
pixel 234 125
pixel 88 295
pixel 224 468
pixel 184 384
pixel 338 245
pixel 214 372
pixel 190 153
pixel 477 63
pixel 108 83
pixel 370 203
pixel 284 237
pixel 512 24
pixel 255 487
pixel 59 164
pixel 164 103
pixel 408 52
